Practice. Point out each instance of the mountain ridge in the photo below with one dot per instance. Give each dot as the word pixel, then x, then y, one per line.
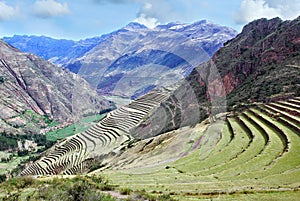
pixel 134 44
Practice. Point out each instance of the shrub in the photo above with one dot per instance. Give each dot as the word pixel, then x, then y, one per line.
pixel 125 191
pixel 143 194
pixel 2 178
pixel 23 152
pixel 75 189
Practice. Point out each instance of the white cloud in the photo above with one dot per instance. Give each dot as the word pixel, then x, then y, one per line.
pixel 255 9
pixel 50 8
pixel 145 17
pixel 149 22
pixel 148 6
pixel 7 12
pixel 154 12
pixel 289 8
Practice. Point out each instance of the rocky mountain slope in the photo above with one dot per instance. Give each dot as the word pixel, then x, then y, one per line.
pixel 135 59
pixel 264 61
pixel 32 89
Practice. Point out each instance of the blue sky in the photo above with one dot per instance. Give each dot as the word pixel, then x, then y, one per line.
pixel 79 19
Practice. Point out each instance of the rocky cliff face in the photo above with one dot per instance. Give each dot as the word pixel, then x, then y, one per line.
pixel 32 87
pixel 265 50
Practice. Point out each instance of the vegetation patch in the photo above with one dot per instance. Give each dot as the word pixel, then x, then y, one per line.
pixel 69 189
pixel 84 124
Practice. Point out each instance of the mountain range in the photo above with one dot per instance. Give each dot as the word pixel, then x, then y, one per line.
pixel 134 59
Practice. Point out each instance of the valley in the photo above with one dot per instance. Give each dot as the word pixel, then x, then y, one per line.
pixel 228 129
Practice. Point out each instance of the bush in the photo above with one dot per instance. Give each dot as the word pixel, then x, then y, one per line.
pixel 2 178
pixel 7 142
pixel 125 191
pixel 23 152
pixel 78 188
pixel 75 189
pixel 165 197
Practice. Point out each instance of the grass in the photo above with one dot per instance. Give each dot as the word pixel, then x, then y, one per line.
pixel 225 168
pixel 243 196
pixel 83 124
pixel 6 167
pixel 83 188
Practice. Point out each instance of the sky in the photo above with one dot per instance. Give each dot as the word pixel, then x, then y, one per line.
pixel 79 19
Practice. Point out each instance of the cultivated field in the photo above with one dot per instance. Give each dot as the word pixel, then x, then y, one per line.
pixel 75 153
pixel 249 156
pixel 252 154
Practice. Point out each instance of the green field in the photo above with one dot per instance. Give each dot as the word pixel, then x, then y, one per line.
pixel 83 124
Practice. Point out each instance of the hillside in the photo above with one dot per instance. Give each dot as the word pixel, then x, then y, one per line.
pixel 229 130
pixel 249 155
pixel 133 60
pixel 75 154
pixel 264 62
pixel 259 65
pixel 245 155
pixel 34 91
pixel 202 94
pixel 246 70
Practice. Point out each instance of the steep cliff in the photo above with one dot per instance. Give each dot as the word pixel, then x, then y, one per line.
pixel 262 62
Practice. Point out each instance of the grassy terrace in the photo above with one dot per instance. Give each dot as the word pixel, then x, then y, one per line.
pixel 74 154
pixel 252 156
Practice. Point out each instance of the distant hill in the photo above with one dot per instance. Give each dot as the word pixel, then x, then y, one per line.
pixel 33 89
pixel 59 51
pixel 134 59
